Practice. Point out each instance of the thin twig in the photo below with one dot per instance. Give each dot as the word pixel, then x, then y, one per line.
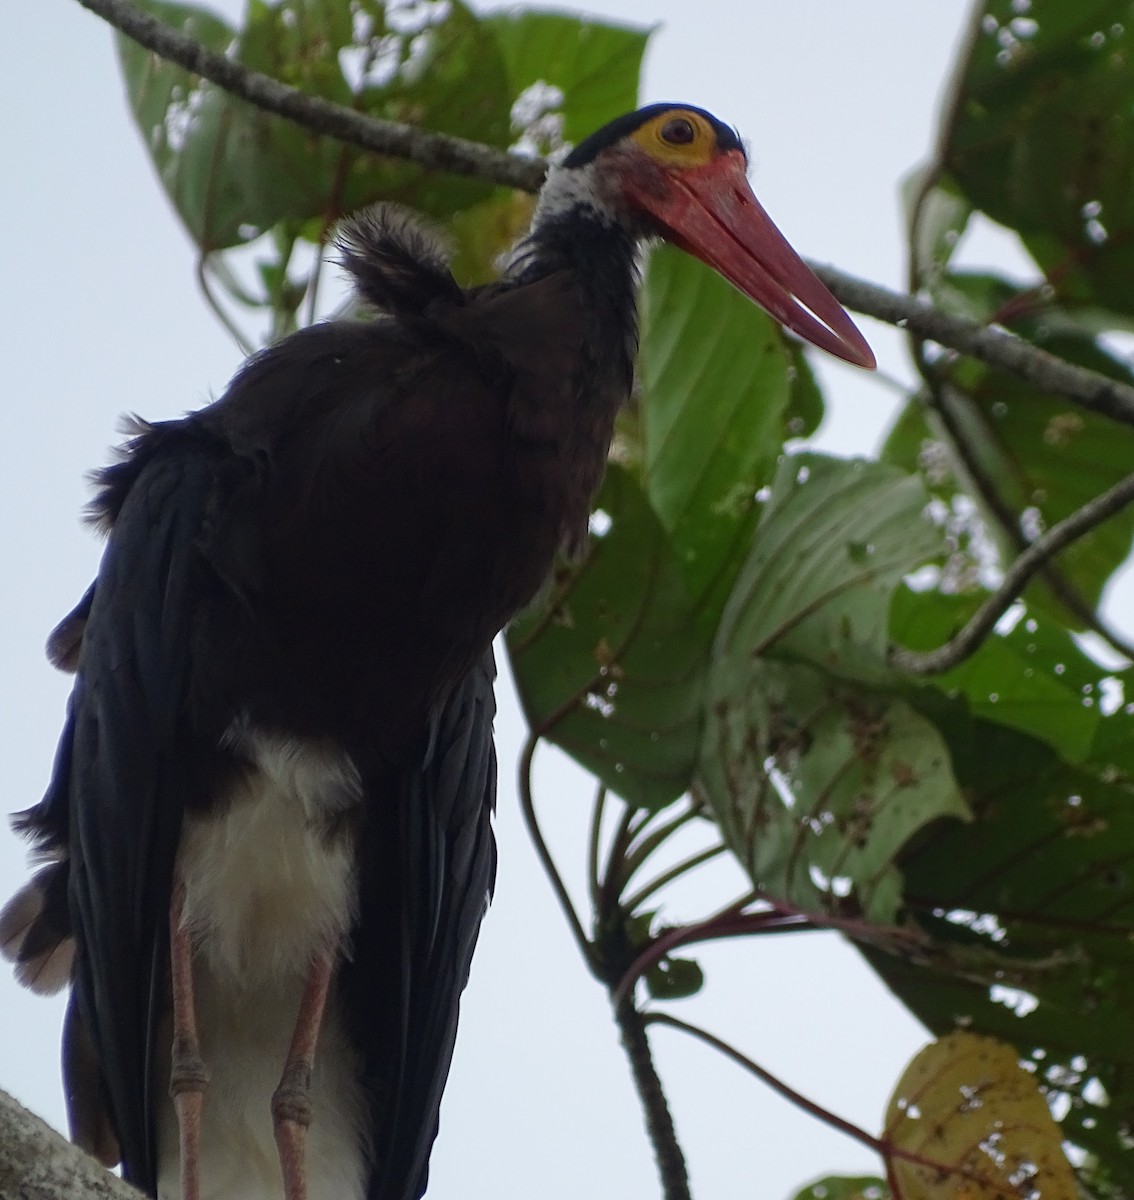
pixel 527 807
pixel 968 640
pixel 630 903
pixel 594 846
pixel 765 1076
pixel 436 151
pixel 892 1181
pixel 242 344
pixel 881 1146
pixel 612 881
pixel 644 844
pixel 938 399
pixel 672 1170
pixel 940 402
pixel 714 929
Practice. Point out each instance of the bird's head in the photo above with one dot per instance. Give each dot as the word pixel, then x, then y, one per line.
pixel 676 172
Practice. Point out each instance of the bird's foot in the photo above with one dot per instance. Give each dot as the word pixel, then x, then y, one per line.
pixel 291 1101
pixel 188 1079
pixel 188 1075
pixel 291 1115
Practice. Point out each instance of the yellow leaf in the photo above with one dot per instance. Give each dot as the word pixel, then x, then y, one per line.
pixel 482 234
pixel 965 1103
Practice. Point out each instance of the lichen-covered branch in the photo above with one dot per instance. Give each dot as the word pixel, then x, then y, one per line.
pixel 997 347
pixel 437 151
pixel 672 1172
pixel 36 1163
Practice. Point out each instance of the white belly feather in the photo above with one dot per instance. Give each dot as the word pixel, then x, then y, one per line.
pixel 265 889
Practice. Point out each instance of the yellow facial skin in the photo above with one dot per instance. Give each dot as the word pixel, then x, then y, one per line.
pixel 665 138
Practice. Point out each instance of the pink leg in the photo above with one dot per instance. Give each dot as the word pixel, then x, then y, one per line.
pixel 188 1076
pixel 291 1101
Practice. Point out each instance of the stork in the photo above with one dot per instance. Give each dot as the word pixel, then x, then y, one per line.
pixel 267 837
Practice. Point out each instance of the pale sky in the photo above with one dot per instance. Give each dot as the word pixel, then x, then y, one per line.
pixel 102 316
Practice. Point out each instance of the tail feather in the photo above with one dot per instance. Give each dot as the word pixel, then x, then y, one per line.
pixel 35 932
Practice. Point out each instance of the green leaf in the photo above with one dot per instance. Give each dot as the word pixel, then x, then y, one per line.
pixel 833 541
pixel 844 1187
pixel 1046 456
pixel 1112 752
pixel 451 80
pixel 715 378
pixel 805 409
pixel 233 172
pixel 674 979
pixel 818 784
pixel 184 123
pixel 1029 916
pixel 938 214
pixel 593 64
pixel 1042 141
pixel 609 664
pixel 1031 676
pixel 483 233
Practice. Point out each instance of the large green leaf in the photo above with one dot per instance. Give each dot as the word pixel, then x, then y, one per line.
pixel 1112 750
pixel 834 539
pixel 234 172
pixel 592 65
pixel 186 126
pixel 1029 674
pixel 1042 139
pixel 816 782
pixel 715 379
pixel 1030 911
pixel 609 664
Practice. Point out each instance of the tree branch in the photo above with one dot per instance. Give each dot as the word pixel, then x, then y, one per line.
pixel 672 1171
pixel 441 152
pixel 36 1163
pixel 437 151
pixel 963 644
pixel 994 346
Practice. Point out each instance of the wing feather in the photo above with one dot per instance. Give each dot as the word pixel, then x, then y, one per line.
pixel 427 867
pixel 132 765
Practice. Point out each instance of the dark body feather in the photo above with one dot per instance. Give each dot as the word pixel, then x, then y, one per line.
pixel 326 553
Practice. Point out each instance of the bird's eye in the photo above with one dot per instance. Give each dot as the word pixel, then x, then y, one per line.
pixel 678 132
